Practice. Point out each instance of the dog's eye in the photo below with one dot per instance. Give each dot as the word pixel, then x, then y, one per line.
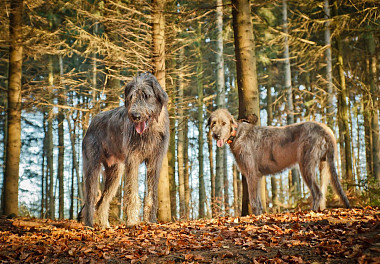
pixel 224 123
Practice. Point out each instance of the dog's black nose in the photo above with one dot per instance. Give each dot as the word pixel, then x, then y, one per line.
pixel 135 116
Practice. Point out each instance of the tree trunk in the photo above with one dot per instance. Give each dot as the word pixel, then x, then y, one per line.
pixel 13 145
pixel 367 132
pixel 269 123
pixel 181 140
pixel 220 98
pixel 202 188
pixel 158 40
pixel 358 142
pixel 236 189
pixel 330 86
pixel 72 190
pixel 61 151
pixel 375 108
pixel 50 143
pixel 288 77
pixel 341 139
pixel 186 170
pixel 246 71
pixel 94 66
pixel 225 183
pixel 113 86
pixel 5 140
pixel 43 170
pixel 171 158
pixel 309 97
pixel 75 159
pixel 296 182
pixel 212 171
pixel 344 107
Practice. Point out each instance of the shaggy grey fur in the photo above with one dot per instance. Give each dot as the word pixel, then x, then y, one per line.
pixel 260 151
pixel 120 140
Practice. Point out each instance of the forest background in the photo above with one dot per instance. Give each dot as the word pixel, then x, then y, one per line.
pixel 315 60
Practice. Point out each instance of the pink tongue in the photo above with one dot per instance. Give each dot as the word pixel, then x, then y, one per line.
pixel 140 127
pixel 220 143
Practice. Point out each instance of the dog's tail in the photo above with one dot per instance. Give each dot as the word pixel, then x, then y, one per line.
pixel 331 169
pixel 80 216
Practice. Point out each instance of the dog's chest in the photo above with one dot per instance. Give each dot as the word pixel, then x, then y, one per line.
pixel 146 144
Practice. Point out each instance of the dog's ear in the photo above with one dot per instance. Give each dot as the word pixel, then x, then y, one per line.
pixel 127 90
pixel 208 122
pixel 253 119
pixel 160 94
pixel 233 121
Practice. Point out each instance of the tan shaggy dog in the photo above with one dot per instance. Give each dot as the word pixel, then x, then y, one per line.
pixel 261 151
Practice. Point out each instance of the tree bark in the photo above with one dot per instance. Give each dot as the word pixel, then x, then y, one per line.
pixel 237 194
pixel 343 114
pixel 181 140
pixel 212 171
pixel 330 86
pixel 171 158
pixel 246 70
pixel 13 145
pixel 225 184
pixel 61 150
pixel 50 143
pixel 220 99
pixel 46 145
pixel 186 170
pixel 75 159
pixel 202 188
pixel 94 66
pixel 296 181
pixel 43 170
pixel 158 40
pixel 73 171
pixel 374 108
pixel 269 123
pixel 5 140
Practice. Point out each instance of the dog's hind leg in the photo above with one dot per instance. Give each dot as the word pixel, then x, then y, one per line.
pixel 325 178
pixel 307 167
pixel 153 167
pixel 91 175
pixel 112 181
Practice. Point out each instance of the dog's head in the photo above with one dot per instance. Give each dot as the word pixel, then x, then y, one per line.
pixel 144 99
pixel 221 124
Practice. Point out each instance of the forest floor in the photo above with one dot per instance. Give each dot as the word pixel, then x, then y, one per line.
pixel 331 236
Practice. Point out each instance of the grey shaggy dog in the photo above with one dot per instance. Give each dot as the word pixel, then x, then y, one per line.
pixel 120 140
pixel 261 151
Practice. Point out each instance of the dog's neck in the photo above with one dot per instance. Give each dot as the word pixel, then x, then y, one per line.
pixel 233 135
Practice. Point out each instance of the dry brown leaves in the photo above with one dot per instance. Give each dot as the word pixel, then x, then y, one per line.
pixel 334 236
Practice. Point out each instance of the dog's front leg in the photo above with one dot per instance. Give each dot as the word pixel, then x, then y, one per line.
pixel 131 196
pixel 253 181
pixel 151 200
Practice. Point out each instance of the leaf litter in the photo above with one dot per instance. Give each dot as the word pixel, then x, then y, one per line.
pixel 331 236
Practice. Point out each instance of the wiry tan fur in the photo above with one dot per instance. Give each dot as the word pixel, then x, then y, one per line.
pixel 261 151
pixel 113 141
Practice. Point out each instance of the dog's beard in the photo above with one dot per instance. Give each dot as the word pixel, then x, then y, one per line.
pixel 141 127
